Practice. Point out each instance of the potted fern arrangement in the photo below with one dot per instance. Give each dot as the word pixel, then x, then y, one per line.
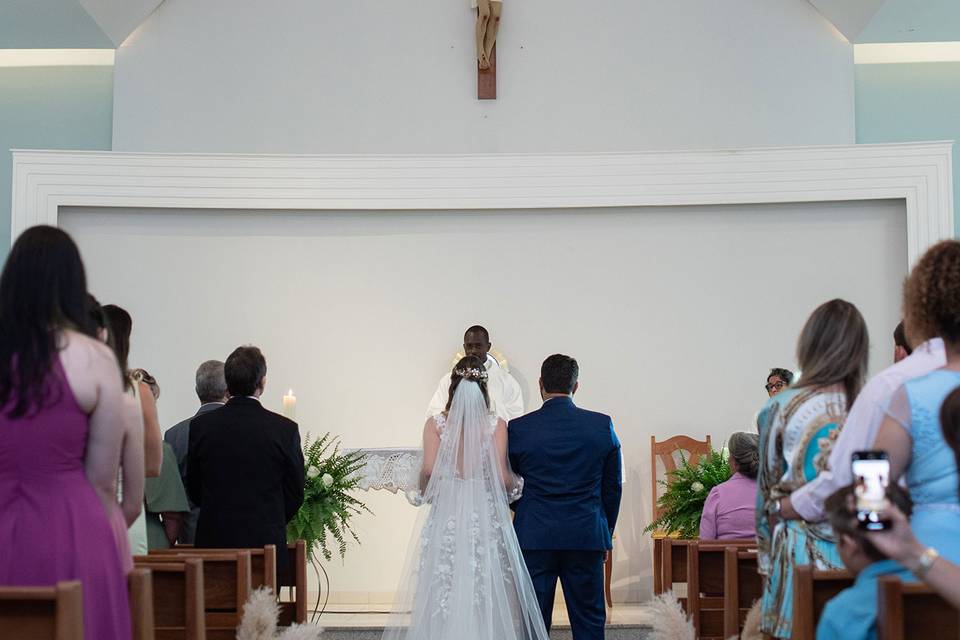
pixel 323 520
pixel 687 489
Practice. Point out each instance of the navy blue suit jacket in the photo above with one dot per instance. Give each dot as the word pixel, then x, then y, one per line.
pixel 570 461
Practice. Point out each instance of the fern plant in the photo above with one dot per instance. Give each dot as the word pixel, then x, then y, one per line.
pixel 323 520
pixel 686 491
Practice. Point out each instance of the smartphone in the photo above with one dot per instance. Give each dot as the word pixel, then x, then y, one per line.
pixel 871 474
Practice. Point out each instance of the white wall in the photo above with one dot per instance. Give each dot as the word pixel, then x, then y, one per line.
pixel 675 315
pixel 302 76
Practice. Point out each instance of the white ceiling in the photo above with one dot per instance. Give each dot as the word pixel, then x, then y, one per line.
pixel 119 18
pixel 850 17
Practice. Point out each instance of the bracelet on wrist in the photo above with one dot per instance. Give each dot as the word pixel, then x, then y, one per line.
pixel 925 561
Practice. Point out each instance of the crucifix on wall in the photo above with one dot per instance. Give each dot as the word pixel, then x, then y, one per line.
pixel 488 23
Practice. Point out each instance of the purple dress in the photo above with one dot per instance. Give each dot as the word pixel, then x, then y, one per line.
pixel 52 524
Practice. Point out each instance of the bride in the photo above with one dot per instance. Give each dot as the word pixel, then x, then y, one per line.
pixel 465 576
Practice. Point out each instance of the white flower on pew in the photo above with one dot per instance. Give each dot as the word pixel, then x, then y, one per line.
pixel 697 487
pixel 313 472
pixel 327 480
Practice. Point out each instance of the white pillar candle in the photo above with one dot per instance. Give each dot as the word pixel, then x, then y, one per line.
pixel 289 404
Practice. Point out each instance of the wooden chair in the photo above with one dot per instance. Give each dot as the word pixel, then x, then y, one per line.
pixel 666 453
pixel 706 581
pixel 742 586
pixel 907 610
pixel 140 590
pixel 226 587
pixel 295 611
pixel 178 606
pixel 263 562
pixel 812 589
pixel 42 613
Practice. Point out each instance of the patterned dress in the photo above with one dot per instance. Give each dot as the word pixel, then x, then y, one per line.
pixel 797 429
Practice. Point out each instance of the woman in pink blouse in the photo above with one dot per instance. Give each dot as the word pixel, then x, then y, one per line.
pixel 728 513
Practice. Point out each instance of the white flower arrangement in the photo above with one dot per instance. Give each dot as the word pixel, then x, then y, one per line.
pixel 312 472
pixel 697 487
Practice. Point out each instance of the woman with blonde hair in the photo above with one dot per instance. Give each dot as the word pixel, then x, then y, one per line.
pixel 797 428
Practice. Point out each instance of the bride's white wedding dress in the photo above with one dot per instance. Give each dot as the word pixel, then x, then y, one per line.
pixel 465 577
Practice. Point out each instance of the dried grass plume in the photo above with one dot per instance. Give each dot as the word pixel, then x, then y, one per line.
pixel 260 616
pixel 670 622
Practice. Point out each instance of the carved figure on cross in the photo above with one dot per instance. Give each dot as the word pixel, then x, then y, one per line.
pixel 488 22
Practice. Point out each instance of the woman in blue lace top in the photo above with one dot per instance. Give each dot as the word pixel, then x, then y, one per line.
pixel 911 432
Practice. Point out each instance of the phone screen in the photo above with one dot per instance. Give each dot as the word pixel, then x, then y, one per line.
pixel 871 474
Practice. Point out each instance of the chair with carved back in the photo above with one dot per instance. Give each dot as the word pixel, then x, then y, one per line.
pixel 42 613
pixel 667 453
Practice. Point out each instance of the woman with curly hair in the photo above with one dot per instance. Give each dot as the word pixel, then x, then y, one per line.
pixel 797 429
pixel 911 432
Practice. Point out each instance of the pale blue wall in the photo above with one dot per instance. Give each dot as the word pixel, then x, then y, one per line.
pixel 49 24
pixel 909 102
pixel 50 108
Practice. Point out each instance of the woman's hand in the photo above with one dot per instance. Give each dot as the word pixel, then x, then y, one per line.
pixel 898 541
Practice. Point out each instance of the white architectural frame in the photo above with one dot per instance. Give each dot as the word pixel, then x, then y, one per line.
pixel 918 173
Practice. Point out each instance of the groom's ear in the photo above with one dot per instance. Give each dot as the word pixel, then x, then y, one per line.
pixel 576 385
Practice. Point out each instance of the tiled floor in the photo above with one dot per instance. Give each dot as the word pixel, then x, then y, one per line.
pixel 369 616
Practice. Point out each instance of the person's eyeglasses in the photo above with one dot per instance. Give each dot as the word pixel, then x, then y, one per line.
pixel 775 386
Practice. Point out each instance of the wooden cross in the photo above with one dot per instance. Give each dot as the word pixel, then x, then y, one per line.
pixel 487 79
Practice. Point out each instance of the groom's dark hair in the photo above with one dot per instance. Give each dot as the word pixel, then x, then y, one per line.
pixel 559 374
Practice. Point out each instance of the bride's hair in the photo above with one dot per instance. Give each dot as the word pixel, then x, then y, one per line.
pixel 471 369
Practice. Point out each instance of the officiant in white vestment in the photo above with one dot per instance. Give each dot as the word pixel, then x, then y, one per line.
pixel 506 399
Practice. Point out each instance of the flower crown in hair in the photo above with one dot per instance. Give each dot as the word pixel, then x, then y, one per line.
pixel 477 375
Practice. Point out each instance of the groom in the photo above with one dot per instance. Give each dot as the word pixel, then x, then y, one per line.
pixel 570 461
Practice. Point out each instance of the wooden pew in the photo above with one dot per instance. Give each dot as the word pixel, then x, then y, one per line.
pixel 909 610
pixel 178 606
pixel 295 611
pixel 263 562
pixel 140 591
pixel 812 589
pixel 673 564
pixel 226 586
pixel 705 583
pixel 742 585
pixel 42 613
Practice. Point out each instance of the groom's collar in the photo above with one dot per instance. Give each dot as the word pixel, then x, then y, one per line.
pixel 559 400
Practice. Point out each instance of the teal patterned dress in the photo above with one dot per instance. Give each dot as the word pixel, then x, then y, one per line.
pixel 797 430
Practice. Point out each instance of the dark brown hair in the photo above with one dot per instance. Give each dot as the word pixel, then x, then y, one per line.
pixel 833 348
pixel 466 363
pixel 950 422
pixel 119 328
pixel 842 514
pixel 244 370
pixel 931 295
pixel 43 290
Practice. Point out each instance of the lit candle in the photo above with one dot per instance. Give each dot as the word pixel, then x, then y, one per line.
pixel 289 404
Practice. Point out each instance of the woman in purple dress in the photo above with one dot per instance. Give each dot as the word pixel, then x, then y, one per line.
pixel 729 511
pixel 61 430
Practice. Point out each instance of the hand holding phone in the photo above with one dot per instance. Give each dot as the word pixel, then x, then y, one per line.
pixel 871 475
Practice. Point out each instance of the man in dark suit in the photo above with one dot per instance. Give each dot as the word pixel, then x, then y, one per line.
pixel 245 465
pixel 569 459
pixel 211 389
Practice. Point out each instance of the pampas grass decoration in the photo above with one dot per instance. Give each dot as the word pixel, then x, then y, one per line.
pixel 259 616
pixel 301 632
pixel 751 626
pixel 669 620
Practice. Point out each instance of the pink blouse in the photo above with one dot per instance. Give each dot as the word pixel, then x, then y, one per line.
pixel 729 511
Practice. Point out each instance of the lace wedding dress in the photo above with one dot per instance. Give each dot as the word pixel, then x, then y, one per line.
pixel 465 577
